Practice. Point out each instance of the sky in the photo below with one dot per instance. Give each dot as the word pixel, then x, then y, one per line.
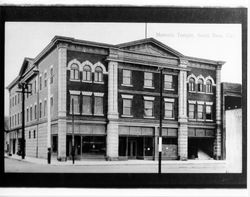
pixel 210 41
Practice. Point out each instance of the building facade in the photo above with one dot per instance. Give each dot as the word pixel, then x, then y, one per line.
pixel 109 97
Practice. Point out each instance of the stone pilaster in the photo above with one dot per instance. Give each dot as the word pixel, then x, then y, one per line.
pixel 112 127
pixel 182 119
pixel 112 140
pixel 217 144
pixel 62 126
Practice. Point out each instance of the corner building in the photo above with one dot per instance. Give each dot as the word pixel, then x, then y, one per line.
pixel 114 93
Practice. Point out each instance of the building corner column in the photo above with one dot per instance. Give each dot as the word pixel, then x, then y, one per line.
pixel 218 140
pixel 112 127
pixel 182 112
pixel 62 92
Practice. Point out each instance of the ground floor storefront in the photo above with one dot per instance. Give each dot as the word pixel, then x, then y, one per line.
pixel 130 142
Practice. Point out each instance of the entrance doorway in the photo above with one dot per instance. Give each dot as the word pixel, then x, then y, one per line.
pixel 132 148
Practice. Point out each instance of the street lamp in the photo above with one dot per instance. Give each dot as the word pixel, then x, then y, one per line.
pixel 23 86
pixel 73 135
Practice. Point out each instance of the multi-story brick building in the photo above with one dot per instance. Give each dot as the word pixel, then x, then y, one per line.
pixel 116 93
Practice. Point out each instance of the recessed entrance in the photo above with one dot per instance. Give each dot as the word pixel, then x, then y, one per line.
pixel 200 148
pixel 132 148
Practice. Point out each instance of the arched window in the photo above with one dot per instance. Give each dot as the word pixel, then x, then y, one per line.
pixel 191 84
pixel 86 76
pixel 209 86
pixel 98 74
pixel 200 85
pixel 74 72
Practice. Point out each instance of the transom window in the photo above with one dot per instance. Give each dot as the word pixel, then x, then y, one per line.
pixel 148 108
pixel 148 79
pixel 74 72
pixel 98 74
pixel 168 82
pixel 126 77
pixel 200 85
pixel 191 84
pixel 127 104
pixel 86 75
pixel 209 86
pixel 169 110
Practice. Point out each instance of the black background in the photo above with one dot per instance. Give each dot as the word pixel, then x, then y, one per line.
pixel 126 14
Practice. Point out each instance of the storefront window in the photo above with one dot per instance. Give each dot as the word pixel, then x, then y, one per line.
pixel 94 145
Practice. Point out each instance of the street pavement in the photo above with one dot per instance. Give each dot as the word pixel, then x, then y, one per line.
pixel 16 164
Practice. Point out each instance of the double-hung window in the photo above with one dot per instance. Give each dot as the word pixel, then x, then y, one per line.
pixel 200 85
pixel 86 103
pixel 98 74
pixel 191 85
pixel 200 110
pixel 127 105
pixel 148 79
pixel 148 107
pixel 45 107
pixel 209 110
pixel 51 74
pixel 45 79
pixel 98 103
pixel 191 109
pixel 74 72
pixel 209 86
pixel 86 73
pixel 74 101
pixel 168 81
pixel 126 77
pixel 169 108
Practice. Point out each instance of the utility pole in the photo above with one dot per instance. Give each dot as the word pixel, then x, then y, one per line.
pixel 146 30
pixel 73 137
pixel 160 130
pixel 23 86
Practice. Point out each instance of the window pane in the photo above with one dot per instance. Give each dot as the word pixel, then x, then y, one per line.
pixel 98 105
pixel 208 109
pixel 169 110
pixel 86 105
pixel 168 81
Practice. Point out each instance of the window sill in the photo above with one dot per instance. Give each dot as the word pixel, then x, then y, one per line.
pixel 86 81
pixel 127 85
pixel 166 118
pixel 99 82
pixel 149 117
pixel 192 91
pixel 75 80
pixel 98 114
pixel 169 89
pixel 209 120
pixel 191 119
pixel 86 114
pixel 201 92
pixel 209 93
pixel 127 116
pixel 200 120
pixel 76 113
pixel 148 87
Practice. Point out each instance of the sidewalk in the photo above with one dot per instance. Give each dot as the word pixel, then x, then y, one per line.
pixel 54 161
